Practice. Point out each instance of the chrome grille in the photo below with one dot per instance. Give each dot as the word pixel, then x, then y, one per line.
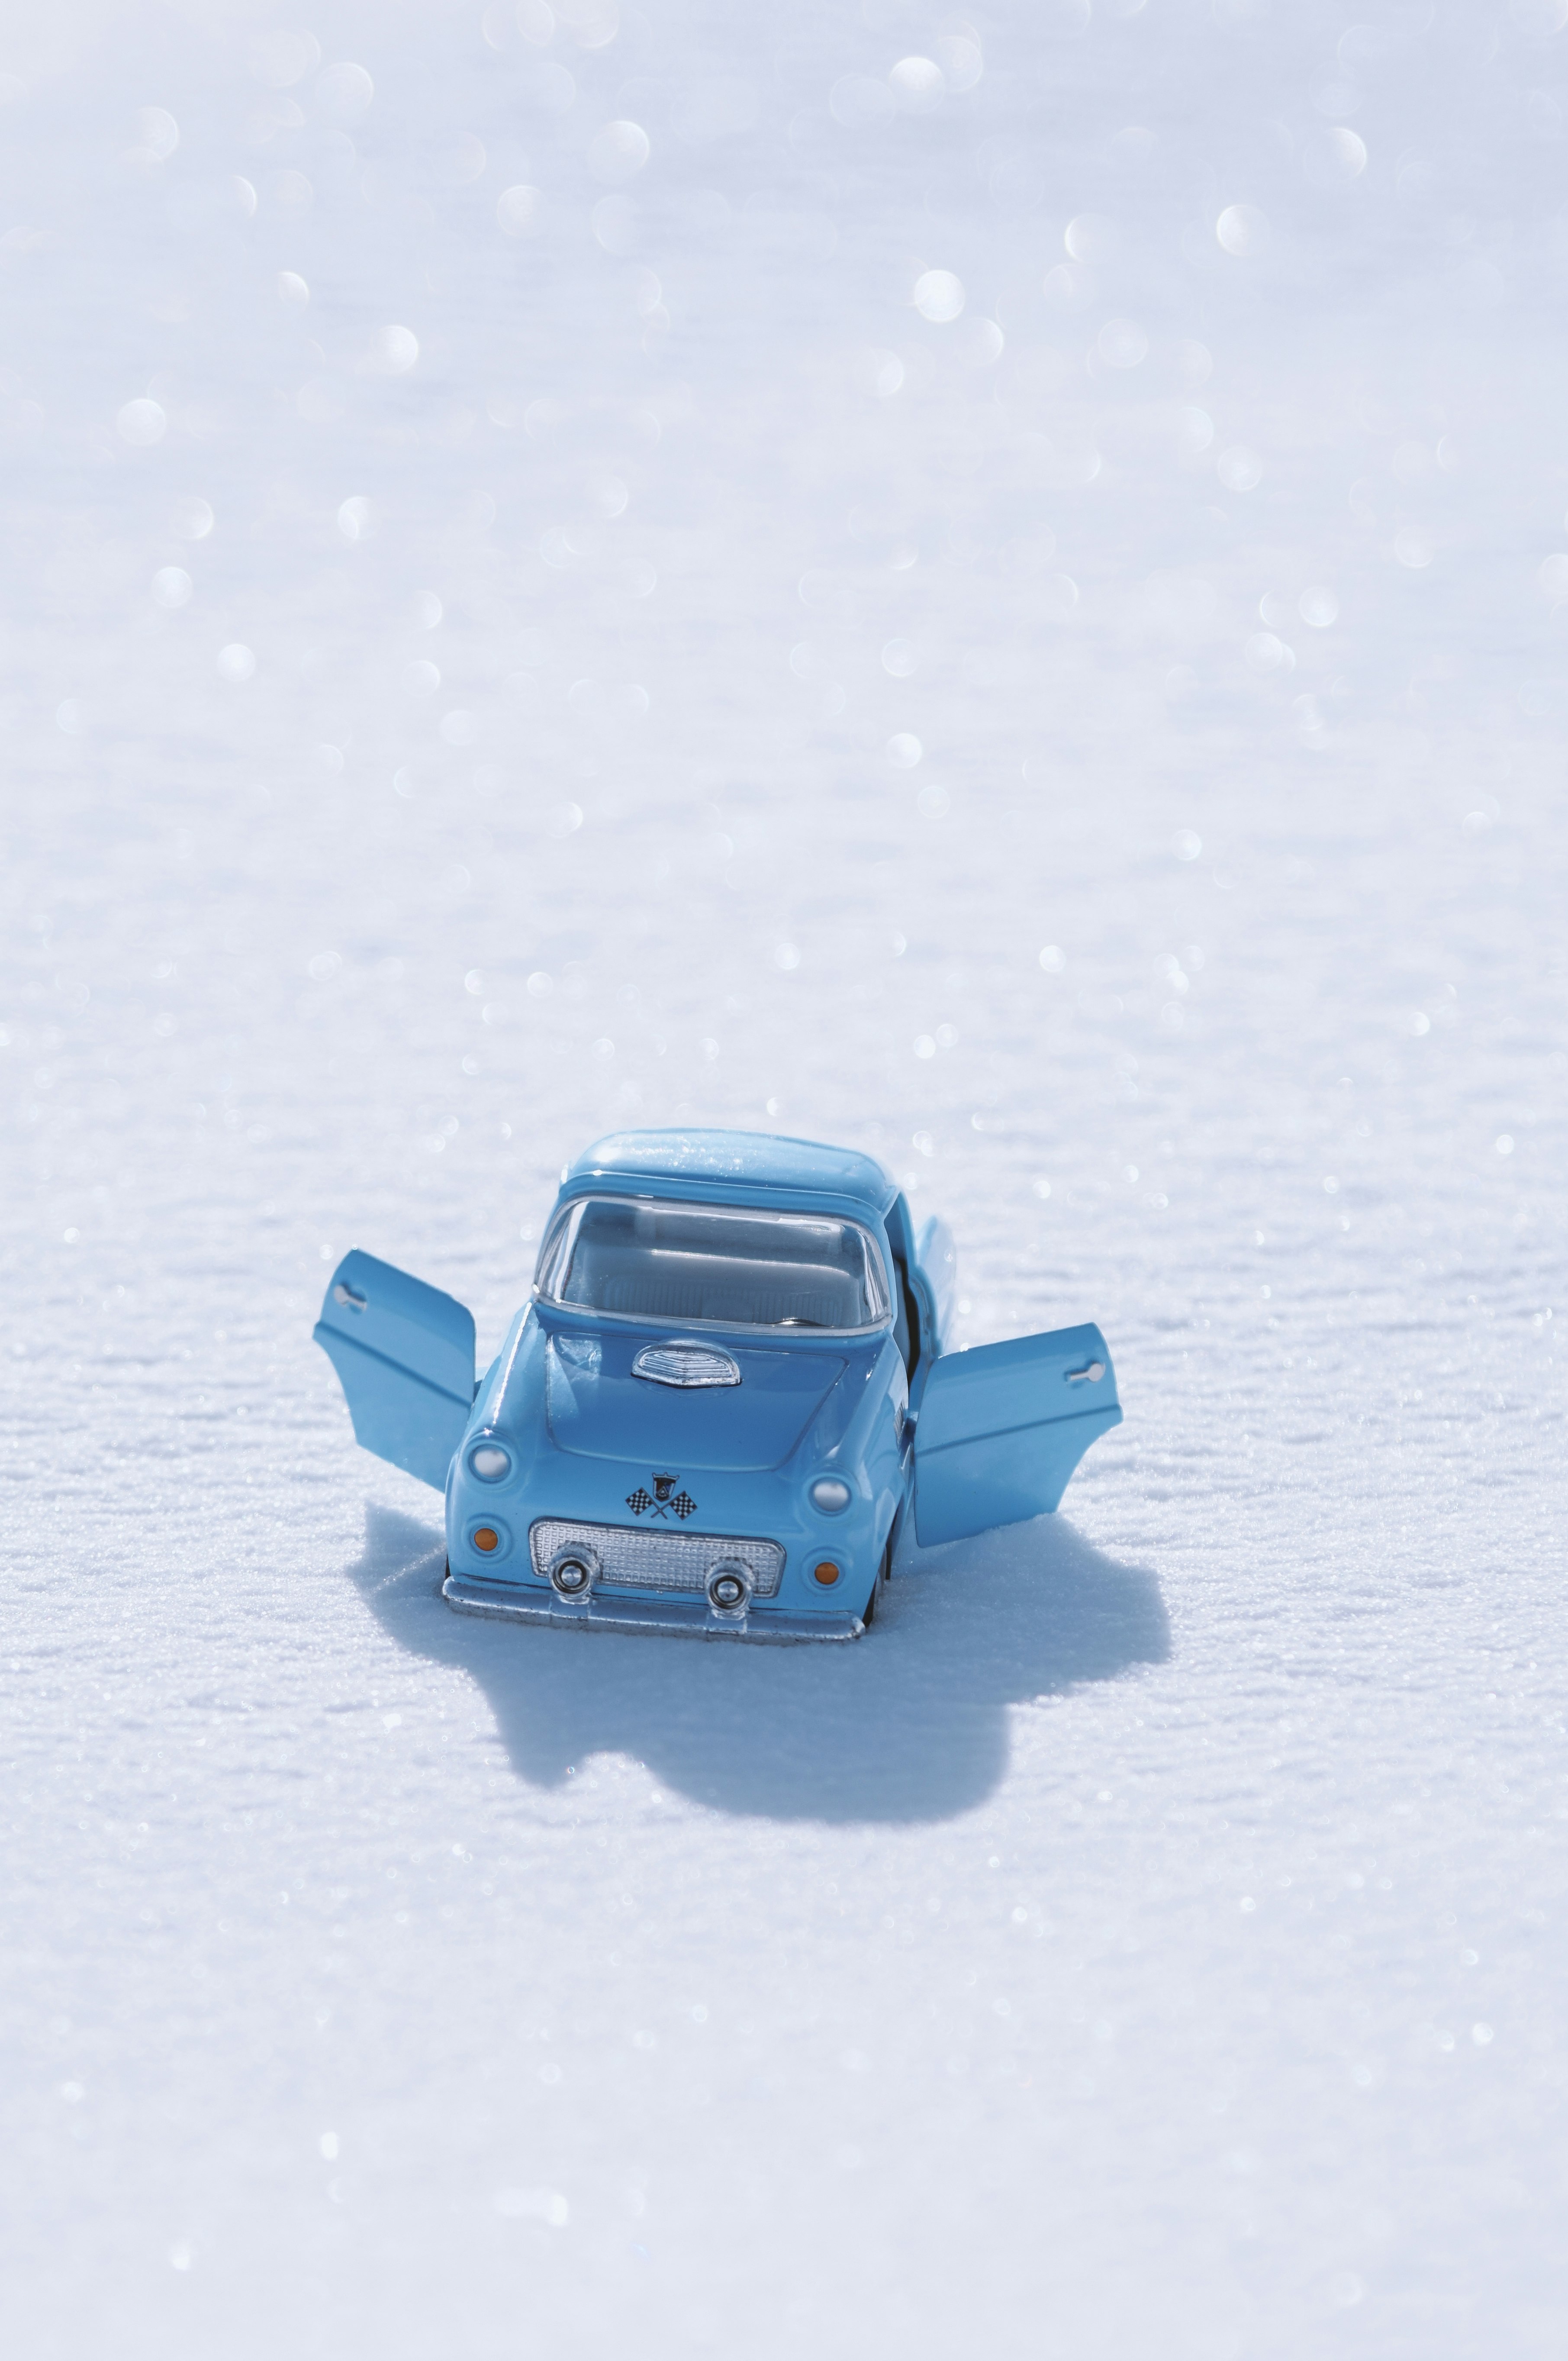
pixel 632 1558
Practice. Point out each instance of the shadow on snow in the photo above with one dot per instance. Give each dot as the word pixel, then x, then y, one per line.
pixel 907 1724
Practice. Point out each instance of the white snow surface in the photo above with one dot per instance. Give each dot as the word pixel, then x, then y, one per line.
pixel 527 610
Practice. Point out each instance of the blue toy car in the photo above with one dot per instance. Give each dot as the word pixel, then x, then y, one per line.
pixel 726 1394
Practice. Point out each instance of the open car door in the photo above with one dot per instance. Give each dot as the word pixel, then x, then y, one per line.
pixel 1001 1429
pixel 404 1356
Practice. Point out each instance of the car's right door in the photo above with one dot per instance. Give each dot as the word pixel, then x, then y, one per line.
pixel 1000 1428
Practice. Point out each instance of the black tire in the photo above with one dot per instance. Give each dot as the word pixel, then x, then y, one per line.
pixel 883 1575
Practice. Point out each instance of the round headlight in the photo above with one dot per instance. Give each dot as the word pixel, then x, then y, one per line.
pixel 490 1461
pixel 831 1494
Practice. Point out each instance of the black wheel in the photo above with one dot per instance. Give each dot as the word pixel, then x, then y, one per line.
pixel 883 1575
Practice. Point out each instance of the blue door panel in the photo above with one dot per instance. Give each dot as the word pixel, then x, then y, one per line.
pixel 404 1357
pixel 1002 1428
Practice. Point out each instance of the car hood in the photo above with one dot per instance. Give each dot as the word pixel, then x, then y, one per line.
pixel 596 1408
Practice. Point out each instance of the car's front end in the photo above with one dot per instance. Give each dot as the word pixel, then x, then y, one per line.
pixel 645 1469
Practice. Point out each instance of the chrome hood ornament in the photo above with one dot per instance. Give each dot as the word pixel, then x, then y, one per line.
pixel 686 1365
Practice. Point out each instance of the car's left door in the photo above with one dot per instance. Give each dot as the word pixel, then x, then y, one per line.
pixel 404 1356
pixel 1000 1428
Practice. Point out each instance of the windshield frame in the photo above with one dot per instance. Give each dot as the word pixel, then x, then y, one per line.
pixel 560 1236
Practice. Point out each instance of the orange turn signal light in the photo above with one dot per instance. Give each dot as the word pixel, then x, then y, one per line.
pixel 486 1538
pixel 826 1572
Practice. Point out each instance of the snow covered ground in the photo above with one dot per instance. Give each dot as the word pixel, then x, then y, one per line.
pixel 991 591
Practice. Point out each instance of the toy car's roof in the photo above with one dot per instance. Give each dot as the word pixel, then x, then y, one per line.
pixel 736 1159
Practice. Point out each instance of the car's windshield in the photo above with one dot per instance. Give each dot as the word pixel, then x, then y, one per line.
pixel 642 1260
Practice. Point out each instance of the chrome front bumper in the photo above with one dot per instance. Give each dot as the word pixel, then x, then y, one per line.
pixel 687 1619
